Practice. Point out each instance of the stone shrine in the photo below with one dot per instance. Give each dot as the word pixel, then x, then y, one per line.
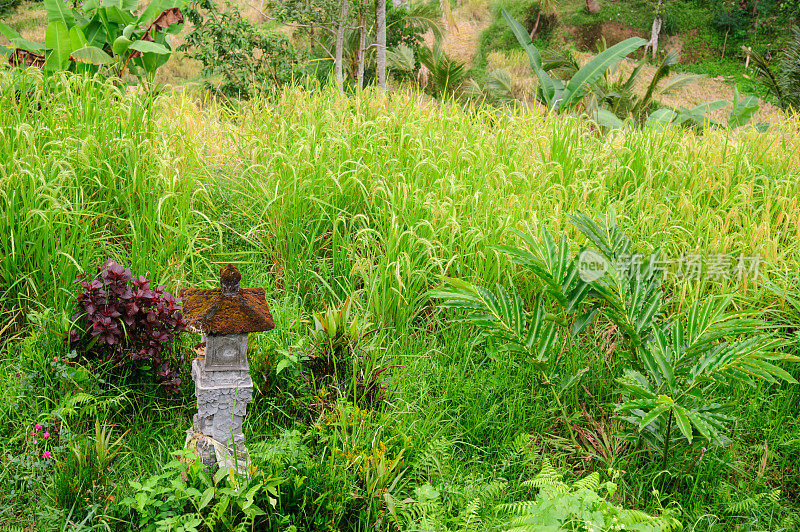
pixel 223 387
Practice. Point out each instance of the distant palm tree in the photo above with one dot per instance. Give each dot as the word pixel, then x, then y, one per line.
pixel 784 86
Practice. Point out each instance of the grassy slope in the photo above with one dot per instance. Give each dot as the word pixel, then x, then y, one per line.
pixel 318 196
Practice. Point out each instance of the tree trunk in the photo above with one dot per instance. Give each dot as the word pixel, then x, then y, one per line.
pixel 536 24
pixel 380 38
pixel 362 42
pixel 340 44
pixel 654 32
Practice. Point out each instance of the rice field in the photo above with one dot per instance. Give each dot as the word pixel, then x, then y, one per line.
pixel 322 198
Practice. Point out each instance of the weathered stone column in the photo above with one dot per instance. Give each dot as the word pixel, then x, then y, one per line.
pixel 223 387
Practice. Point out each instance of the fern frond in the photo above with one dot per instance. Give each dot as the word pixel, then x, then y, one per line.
pixel 591 482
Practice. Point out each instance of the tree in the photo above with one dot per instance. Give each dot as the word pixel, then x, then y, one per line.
pixel 380 37
pixel 548 7
pixel 340 43
pixel 655 30
pixel 362 41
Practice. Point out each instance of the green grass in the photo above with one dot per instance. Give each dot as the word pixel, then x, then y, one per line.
pixel 319 197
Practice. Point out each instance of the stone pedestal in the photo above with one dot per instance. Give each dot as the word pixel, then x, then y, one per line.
pixel 222 384
pixel 222 398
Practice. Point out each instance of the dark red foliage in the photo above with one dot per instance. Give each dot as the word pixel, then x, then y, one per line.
pixel 120 318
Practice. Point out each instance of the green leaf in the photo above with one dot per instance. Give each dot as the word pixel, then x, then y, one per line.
pixel 91 55
pixel 207 496
pixel 743 110
pixel 524 39
pixel 95 33
pixel 27 45
pixel 57 11
pixel 584 320
pixel 607 119
pixel 150 47
pixel 57 39
pixel 653 415
pixel 683 422
pixel 660 118
pixel 594 70
pixel 121 45
pixel 9 33
pixel 708 107
pixel 282 365
pixel 76 38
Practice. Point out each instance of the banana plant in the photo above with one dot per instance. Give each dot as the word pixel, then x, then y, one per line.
pixel 102 34
pixel 617 99
pixel 740 115
pixel 554 93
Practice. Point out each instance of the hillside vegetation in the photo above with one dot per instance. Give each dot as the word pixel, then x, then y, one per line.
pixel 370 204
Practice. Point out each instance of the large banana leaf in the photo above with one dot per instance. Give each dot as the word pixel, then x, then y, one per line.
pixel 8 32
pixel 149 47
pixel 76 38
pixel 57 40
pixel 57 11
pixel 661 117
pixel 18 42
pixel 594 70
pixel 91 55
pixel 743 110
pixel 607 119
pixel 551 90
pixel 524 39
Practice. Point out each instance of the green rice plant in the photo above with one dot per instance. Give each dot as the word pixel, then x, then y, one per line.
pixel 76 194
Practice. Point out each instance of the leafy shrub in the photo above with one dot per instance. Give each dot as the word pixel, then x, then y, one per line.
pixel 248 59
pixel 582 505
pixel 81 39
pixel 122 319
pixel 343 363
pixel 732 21
pixel 185 497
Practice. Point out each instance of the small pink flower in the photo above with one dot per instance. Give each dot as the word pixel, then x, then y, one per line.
pixel 46 455
pixel 37 427
pixel 35 442
pixel 46 435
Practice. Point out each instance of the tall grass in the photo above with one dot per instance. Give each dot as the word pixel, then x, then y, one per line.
pixel 378 196
pixel 384 194
pixel 86 174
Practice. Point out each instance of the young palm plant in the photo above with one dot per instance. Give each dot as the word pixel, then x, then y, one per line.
pixel 679 372
pixel 617 98
pixel 784 86
pixel 446 76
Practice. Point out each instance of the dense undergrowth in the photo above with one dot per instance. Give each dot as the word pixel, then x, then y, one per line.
pixel 323 198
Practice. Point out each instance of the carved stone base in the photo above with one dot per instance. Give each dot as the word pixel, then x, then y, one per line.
pixel 222 398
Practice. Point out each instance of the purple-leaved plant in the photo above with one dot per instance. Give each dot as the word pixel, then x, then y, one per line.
pixel 122 318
